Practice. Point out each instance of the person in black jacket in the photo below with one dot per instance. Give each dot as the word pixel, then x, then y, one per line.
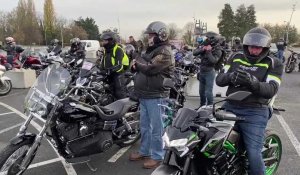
pixel 256 72
pixel 209 51
pixel 152 68
pixel 77 49
pixel 12 50
pixel 114 63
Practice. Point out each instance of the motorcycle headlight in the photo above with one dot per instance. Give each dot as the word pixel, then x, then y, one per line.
pixel 179 144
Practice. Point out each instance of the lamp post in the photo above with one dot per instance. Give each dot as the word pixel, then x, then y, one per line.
pixel 289 23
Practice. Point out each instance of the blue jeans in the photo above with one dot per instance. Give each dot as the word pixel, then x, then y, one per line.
pixel 206 80
pixel 252 131
pixel 280 54
pixel 151 125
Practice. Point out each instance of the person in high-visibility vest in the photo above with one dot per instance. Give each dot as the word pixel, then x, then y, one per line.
pixel 115 62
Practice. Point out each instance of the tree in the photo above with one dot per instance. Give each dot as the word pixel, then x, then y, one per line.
pixel 245 20
pixel 49 20
pixel 90 26
pixel 279 31
pixel 173 31
pixel 226 22
pixel 72 31
pixel 188 33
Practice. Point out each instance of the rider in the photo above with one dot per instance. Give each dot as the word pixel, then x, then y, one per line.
pixel 77 49
pixel 114 63
pixel 55 47
pixel 256 72
pixel 12 49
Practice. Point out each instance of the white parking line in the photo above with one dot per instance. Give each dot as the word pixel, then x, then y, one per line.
pixel 45 163
pixel 289 133
pixel 68 167
pixel 115 157
pixel 10 128
pixel 7 113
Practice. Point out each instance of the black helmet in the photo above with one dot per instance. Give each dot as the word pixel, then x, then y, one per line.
pixel 160 29
pixel 212 37
pixel 109 36
pixel 129 49
pixel 75 41
pixel 259 37
pixel 54 42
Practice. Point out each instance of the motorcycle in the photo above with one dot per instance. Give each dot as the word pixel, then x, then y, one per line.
pixel 205 142
pixel 275 55
pixel 292 61
pixel 76 130
pixel 5 82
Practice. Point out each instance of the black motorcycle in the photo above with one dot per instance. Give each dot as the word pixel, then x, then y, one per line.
pixel 75 129
pixel 291 61
pixel 205 142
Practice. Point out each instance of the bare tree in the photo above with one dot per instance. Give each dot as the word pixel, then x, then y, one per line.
pixel 49 20
pixel 188 33
pixel 173 31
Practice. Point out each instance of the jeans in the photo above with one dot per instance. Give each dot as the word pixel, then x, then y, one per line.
pixel 252 131
pixel 151 125
pixel 206 80
pixel 280 54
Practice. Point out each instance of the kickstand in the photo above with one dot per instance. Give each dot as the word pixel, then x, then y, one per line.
pixel 91 167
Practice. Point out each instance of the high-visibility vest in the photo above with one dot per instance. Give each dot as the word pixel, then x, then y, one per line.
pixel 125 59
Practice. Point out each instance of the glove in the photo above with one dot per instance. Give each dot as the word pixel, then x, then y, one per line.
pixel 243 78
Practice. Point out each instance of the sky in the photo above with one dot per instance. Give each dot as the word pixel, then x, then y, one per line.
pixel 133 16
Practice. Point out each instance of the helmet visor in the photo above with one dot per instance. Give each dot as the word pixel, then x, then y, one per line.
pixel 256 39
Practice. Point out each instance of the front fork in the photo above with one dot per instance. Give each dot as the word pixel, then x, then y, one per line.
pixel 38 139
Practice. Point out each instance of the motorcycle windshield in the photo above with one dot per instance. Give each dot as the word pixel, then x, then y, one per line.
pixel 49 84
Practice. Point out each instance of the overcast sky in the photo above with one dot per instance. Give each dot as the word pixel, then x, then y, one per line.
pixel 135 15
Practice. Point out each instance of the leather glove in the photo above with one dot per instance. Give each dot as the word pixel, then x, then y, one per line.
pixel 243 78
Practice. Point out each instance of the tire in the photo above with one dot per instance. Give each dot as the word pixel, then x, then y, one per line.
pixel 130 139
pixel 272 139
pixel 7 162
pixel 289 68
pixel 5 88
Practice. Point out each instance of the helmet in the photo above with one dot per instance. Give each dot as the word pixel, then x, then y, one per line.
pixel 129 49
pixel 212 37
pixel 75 41
pixel 9 40
pixel 237 39
pixel 54 42
pixel 259 37
pixel 109 36
pixel 160 29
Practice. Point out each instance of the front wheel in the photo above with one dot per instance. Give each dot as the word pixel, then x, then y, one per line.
pixel 12 156
pixel 5 87
pixel 290 66
pixel 272 152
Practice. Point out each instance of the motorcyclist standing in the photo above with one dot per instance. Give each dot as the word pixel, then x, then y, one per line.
pixel 256 72
pixel 237 45
pixel 209 52
pixel 115 62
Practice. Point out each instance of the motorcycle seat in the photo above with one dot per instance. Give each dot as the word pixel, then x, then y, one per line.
pixel 116 109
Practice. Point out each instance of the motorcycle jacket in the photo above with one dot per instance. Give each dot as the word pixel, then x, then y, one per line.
pixel 152 68
pixel 268 72
pixel 13 49
pixel 208 58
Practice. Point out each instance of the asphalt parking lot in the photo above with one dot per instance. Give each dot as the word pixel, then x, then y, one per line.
pixel 115 161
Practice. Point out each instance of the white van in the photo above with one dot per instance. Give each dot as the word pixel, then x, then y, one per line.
pixel 91 48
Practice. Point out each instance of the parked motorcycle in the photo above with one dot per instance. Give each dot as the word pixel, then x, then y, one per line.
pixel 205 142
pixel 75 129
pixel 291 61
pixel 5 82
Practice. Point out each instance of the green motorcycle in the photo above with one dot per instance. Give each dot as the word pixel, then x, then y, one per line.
pixel 205 142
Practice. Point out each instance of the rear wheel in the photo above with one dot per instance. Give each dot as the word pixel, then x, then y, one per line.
pixel 272 152
pixel 12 156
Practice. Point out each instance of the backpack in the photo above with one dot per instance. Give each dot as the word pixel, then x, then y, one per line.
pixel 221 62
